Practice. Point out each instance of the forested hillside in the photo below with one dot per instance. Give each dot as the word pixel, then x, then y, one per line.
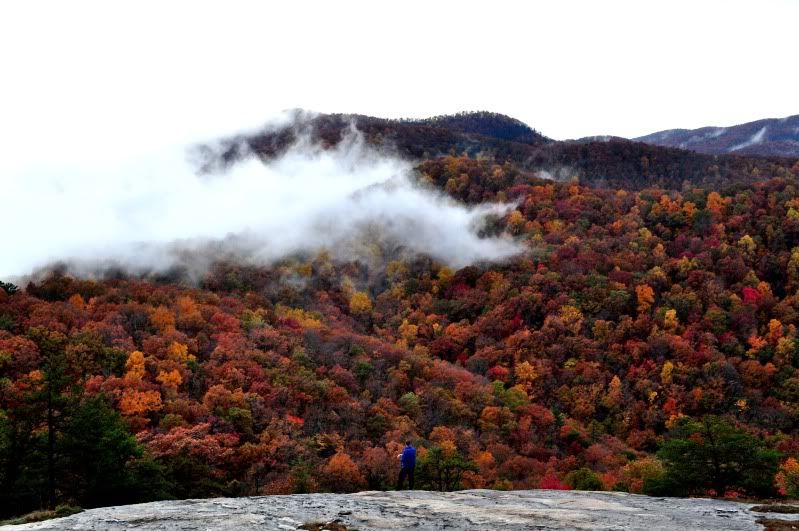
pixel 643 333
pixel 614 163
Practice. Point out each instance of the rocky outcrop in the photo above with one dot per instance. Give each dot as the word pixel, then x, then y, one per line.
pixel 418 510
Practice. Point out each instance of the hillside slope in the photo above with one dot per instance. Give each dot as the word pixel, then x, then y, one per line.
pixel 598 162
pixel 770 137
pixel 466 510
pixel 626 318
pixel 626 313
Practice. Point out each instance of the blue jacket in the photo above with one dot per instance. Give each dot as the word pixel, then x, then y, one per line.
pixel 408 459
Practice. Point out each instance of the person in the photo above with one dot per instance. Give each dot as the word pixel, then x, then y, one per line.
pixel 407 465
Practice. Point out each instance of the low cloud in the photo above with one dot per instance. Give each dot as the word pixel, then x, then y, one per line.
pixel 151 213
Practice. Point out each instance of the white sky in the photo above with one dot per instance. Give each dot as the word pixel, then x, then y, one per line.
pixel 99 99
pixel 83 78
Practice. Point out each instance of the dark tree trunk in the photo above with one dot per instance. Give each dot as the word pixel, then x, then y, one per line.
pixel 50 451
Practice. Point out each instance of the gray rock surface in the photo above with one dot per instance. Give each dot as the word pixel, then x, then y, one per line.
pixel 419 510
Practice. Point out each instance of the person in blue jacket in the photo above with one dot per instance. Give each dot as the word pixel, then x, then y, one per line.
pixel 407 465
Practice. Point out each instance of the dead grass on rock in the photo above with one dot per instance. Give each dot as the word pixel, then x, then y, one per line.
pixel 39 516
pixel 329 526
pixel 776 508
pixel 772 524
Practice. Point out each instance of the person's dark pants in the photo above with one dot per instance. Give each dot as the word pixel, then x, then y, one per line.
pixel 405 473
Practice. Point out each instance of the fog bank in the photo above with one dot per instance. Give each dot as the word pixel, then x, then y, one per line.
pixel 152 212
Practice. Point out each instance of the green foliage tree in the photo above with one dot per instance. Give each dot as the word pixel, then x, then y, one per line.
pixel 21 481
pixel 8 287
pixel 583 479
pixel 191 476
pixel 95 461
pixel 711 453
pixel 103 463
pixel 57 445
pixel 409 402
pixel 442 469
pixel 53 397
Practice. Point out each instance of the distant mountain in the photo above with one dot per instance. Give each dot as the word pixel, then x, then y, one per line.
pixel 597 138
pixel 488 124
pixel 481 134
pixel 773 137
pixel 604 162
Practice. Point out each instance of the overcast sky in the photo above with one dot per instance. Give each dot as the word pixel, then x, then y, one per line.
pixel 94 96
pixel 100 71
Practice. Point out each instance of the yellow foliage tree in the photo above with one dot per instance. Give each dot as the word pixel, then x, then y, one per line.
pixel 303 318
pixel 755 343
pixel 646 297
pixel 659 251
pixel 445 275
pixel 787 478
pixel 670 321
pixel 171 380
pixel 440 434
pixel 715 203
pixel 135 402
pixel 666 371
pixel 408 331
pixel 572 318
pixel 689 209
pixel 396 270
pixel 774 331
pixel 134 367
pixel 188 314
pixel 747 244
pixel 179 352
pixel 516 222
pixel 636 473
pixel 525 373
pixel 77 301
pixel 163 319
pixel 613 397
pixel 360 303
pixel 785 350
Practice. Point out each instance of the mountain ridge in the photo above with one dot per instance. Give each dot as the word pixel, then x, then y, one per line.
pixel 767 137
pixel 608 162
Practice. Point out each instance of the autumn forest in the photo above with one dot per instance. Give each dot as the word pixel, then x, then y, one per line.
pixel 645 341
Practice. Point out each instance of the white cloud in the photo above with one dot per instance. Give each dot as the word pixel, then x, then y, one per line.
pixel 97 95
pixel 150 212
pixel 757 138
